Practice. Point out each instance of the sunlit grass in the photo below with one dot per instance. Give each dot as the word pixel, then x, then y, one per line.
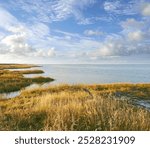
pixel 14 80
pixel 35 71
pixel 16 66
pixel 76 107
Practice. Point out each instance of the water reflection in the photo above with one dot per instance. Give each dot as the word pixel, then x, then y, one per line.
pixel 17 93
pixel 32 75
pixel 32 86
pixel 9 95
pixel 143 103
pixel 17 69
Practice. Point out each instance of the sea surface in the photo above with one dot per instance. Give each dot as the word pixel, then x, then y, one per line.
pixel 97 73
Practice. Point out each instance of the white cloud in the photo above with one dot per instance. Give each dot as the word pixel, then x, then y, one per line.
pixel 48 53
pixel 58 10
pixel 132 24
pixel 111 6
pixel 16 44
pixel 2 35
pixel 7 19
pixel 21 39
pixel 120 7
pixel 72 35
pixel 93 33
pixel 136 35
pixel 17 29
pixel 132 40
pixel 37 30
pixel 132 7
pixel 120 47
pixel 110 47
pixel 135 31
pixel 145 9
pixel 51 52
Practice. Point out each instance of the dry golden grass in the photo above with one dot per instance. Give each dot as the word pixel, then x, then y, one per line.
pixel 16 66
pixel 76 107
pixel 35 71
pixel 14 80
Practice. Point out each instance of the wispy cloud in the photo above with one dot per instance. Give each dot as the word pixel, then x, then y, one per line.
pixel 145 9
pixel 132 24
pixel 58 10
pixel 20 39
pixel 93 33
pixel 117 7
pixel 7 19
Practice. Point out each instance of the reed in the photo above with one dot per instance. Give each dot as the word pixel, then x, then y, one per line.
pixel 16 66
pixel 14 80
pixel 76 108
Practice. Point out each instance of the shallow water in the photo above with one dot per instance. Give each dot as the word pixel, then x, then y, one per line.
pixel 143 103
pixel 94 73
pixel 98 73
pixel 9 95
pixel 21 69
pixel 32 75
pixel 17 93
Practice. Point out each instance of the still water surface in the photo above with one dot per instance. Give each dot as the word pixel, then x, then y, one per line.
pixel 102 73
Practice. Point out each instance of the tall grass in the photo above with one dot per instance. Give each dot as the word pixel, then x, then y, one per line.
pixel 16 66
pixel 77 107
pixel 14 80
pixel 35 71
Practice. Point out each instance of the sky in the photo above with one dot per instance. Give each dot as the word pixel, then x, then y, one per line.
pixel 75 31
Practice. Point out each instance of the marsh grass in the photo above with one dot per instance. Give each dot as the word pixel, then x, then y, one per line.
pixel 35 71
pixel 71 107
pixel 14 80
pixel 16 66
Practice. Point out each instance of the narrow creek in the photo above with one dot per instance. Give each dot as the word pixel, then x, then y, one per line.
pixel 17 93
pixel 142 103
pixel 32 86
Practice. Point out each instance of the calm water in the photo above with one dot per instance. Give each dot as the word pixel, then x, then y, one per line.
pixel 102 73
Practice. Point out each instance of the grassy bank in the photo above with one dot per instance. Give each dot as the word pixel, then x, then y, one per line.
pixel 16 66
pixel 77 107
pixel 35 71
pixel 14 80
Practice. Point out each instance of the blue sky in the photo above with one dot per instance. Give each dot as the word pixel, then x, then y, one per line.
pixel 75 31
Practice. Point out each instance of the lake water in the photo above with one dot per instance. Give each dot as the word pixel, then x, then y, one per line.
pixel 102 73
